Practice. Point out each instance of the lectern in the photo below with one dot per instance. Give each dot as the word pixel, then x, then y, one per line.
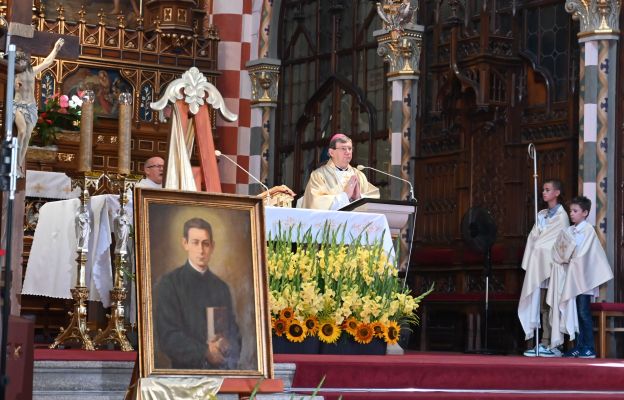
pixel 397 212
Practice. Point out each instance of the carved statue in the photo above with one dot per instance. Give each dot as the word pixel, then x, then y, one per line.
pixel 83 228
pixel 24 103
pixel 122 233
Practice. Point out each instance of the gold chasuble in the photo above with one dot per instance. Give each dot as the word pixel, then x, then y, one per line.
pixel 191 94
pixel 327 184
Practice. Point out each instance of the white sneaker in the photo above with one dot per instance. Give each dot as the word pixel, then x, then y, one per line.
pixel 531 352
pixel 554 352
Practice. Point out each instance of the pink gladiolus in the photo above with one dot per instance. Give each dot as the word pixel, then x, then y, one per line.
pixel 64 101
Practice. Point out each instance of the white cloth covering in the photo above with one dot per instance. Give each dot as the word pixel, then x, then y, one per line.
pixel 51 269
pixel 49 185
pixel 372 227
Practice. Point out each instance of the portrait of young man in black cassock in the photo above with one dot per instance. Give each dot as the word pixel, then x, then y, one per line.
pixel 202 284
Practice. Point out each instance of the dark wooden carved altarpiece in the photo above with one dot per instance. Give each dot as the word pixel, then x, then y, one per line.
pixel 496 76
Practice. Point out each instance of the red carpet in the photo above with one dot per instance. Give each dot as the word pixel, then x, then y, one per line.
pixel 458 376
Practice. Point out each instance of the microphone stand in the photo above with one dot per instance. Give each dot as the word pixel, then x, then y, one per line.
pixel 265 187
pixel 8 183
pixel 413 216
pixel 412 198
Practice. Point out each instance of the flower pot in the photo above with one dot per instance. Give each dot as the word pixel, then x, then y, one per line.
pixel 281 345
pixel 347 345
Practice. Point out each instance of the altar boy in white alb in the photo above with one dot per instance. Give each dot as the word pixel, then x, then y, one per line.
pixel 580 266
pixel 537 263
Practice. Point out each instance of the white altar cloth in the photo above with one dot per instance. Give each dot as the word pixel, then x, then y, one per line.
pixel 371 227
pixel 49 185
pixel 51 267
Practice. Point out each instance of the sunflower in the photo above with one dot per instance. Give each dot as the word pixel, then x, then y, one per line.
pixel 312 325
pixel 287 314
pixel 279 326
pixel 379 329
pixel 350 325
pixel 392 333
pixel 364 333
pixel 295 331
pixel 329 332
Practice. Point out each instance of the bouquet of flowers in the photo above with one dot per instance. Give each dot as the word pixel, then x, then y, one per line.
pixel 59 112
pixel 324 287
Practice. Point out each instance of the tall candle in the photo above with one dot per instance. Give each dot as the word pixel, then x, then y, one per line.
pixel 85 152
pixel 125 120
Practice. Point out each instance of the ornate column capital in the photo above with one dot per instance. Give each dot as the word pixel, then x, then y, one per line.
pixel 401 49
pixel 264 75
pixel 597 17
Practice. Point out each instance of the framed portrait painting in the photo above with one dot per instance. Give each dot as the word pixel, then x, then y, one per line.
pixel 202 285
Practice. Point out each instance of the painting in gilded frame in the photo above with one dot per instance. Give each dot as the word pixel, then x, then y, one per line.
pixel 202 285
pixel 107 85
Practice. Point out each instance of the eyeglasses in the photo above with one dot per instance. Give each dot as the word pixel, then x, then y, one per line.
pixel 156 166
pixel 345 149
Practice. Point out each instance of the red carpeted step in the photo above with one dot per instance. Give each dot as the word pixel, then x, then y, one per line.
pixel 467 396
pixel 468 372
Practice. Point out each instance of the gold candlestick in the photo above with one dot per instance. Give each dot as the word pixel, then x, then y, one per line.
pixel 85 152
pixel 125 128
pixel 115 330
pixel 88 182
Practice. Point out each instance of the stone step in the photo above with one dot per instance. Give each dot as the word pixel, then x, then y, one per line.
pixel 108 380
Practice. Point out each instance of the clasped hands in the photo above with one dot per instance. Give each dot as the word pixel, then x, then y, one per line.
pixel 217 351
pixel 352 188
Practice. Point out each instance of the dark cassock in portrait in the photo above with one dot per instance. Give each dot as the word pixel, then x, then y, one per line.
pixel 201 295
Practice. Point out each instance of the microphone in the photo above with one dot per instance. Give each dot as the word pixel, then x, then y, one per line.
pixel 362 167
pixel 265 187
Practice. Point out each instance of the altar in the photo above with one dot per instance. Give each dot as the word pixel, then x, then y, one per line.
pixel 51 269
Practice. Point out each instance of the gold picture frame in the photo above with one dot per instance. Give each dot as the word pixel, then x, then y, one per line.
pixel 176 301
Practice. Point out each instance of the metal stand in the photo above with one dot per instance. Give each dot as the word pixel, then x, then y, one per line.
pixel 533 155
pixel 115 330
pixel 77 329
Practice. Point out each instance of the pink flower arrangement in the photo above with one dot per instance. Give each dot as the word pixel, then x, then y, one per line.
pixel 59 112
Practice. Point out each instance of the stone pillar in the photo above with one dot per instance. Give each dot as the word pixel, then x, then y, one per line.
pixel 400 44
pixel 599 23
pixel 264 75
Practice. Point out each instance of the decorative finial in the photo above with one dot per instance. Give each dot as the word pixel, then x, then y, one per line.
pixel 122 21
pixel 61 12
pixel 81 13
pixel 101 17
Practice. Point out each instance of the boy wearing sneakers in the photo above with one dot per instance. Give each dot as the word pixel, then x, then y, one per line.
pixel 537 262
pixel 580 258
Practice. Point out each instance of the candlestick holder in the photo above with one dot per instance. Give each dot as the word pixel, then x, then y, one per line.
pixel 77 330
pixel 115 331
